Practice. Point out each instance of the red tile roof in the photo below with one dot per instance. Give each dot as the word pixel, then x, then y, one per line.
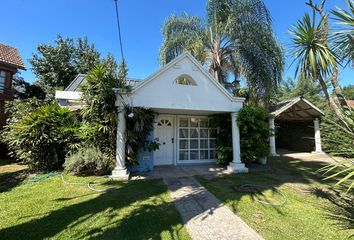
pixel 350 103
pixel 10 56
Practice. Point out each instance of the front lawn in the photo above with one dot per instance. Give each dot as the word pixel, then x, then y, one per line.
pixel 312 211
pixel 49 209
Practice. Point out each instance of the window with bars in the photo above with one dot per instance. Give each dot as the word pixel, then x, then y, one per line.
pixel 196 139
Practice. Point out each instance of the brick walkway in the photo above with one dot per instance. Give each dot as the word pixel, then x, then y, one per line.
pixel 204 216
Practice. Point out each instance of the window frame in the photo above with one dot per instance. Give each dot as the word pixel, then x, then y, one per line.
pixel 191 81
pixel 199 139
pixel 3 85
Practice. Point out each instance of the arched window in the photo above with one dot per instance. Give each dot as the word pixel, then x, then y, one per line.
pixel 185 80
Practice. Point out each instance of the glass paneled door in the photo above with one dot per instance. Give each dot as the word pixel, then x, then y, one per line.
pixel 196 141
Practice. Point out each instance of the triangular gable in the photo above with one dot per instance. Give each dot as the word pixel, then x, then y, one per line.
pixel 175 62
pixel 161 91
pixel 287 104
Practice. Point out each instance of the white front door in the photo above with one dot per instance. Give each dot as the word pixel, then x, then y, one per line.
pixel 164 132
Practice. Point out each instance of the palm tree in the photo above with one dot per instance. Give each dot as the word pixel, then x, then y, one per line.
pixel 334 78
pixel 344 37
pixel 314 57
pixel 236 40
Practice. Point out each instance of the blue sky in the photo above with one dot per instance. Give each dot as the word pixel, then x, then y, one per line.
pixel 29 23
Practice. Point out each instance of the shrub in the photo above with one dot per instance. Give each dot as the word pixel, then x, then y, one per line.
pixel 40 137
pixel 255 133
pixel 338 140
pixel 222 122
pixel 100 114
pixel 138 128
pixel 87 161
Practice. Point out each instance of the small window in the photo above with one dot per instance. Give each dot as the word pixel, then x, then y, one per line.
pixel 185 80
pixel 2 81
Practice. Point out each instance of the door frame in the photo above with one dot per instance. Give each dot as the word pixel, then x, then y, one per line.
pixel 173 117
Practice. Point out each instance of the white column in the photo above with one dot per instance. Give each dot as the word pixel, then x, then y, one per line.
pixel 273 149
pixel 120 172
pixel 236 166
pixel 318 147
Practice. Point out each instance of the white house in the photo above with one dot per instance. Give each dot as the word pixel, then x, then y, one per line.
pixel 183 94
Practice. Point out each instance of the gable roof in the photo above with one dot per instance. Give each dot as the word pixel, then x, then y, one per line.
pixel 74 85
pixel 200 68
pixel 305 108
pixel 10 56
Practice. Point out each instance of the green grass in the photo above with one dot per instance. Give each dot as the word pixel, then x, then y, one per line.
pixel 51 210
pixel 313 209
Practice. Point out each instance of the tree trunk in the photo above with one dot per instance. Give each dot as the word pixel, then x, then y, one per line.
pixel 331 101
pixel 338 91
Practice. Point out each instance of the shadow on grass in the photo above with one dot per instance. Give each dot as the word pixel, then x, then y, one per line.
pixel 297 173
pixel 342 209
pixel 146 220
pixel 9 180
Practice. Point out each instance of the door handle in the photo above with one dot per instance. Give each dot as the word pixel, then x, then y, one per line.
pixel 163 143
pixel 173 140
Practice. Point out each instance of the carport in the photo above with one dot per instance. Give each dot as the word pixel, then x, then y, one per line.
pixel 296 123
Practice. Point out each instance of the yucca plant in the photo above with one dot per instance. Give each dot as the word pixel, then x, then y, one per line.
pixel 343 39
pixel 314 58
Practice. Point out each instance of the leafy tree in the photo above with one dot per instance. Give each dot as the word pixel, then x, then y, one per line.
pixel 100 114
pixel 25 90
pixel 57 65
pixel 236 41
pixel 348 92
pixel 302 87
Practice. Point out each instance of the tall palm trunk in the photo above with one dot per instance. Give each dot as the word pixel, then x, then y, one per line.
pixel 339 93
pixel 332 104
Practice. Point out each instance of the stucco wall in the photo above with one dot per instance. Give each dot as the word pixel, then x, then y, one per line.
pixel 163 93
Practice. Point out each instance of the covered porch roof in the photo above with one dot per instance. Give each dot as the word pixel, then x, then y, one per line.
pixel 295 109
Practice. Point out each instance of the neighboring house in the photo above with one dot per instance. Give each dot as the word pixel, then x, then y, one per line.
pixel 351 103
pixel 10 63
pixel 184 95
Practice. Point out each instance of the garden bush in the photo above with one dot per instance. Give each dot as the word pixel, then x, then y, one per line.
pixel 40 135
pixel 254 132
pixel 338 140
pixel 87 161
pixel 222 122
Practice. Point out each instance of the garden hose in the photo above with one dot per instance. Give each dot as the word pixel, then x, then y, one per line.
pixel 90 185
pixel 40 177
pixel 253 188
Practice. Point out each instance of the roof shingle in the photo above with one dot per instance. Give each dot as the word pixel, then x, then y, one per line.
pixel 10 56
